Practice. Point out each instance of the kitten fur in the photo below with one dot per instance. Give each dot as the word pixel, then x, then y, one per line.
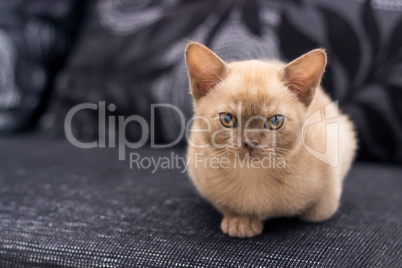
pixel 309 186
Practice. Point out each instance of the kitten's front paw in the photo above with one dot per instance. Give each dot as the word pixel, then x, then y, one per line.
pixel 241 226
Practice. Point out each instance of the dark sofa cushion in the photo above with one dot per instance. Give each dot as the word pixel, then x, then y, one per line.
pixel 35 37
pixel 61 206
pixel 131 54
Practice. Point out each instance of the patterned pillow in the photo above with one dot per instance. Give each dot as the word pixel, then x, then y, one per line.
pixel 35 35
pixel 131 54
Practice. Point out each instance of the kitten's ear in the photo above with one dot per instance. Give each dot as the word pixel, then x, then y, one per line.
pixel 205 69
pixel 303 75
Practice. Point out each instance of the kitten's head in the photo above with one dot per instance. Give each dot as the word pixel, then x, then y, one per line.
pixel 251 106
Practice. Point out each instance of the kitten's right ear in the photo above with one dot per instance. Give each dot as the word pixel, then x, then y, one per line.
pixel 205 69
pixel 303 75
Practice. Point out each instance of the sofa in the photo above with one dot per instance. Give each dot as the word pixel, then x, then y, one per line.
pixel 65 205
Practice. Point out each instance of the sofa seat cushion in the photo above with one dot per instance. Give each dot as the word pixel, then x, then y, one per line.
pixel 61 206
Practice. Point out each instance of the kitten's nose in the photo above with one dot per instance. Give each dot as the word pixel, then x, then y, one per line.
pixel 250 144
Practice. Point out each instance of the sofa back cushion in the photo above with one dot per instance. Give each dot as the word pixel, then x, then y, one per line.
pixel 130 54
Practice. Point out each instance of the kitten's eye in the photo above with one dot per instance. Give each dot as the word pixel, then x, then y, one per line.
pixel 228 120
pixel 275 122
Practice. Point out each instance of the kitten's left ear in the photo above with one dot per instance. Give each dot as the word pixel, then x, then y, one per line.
pixel 205 69
pixel 303 75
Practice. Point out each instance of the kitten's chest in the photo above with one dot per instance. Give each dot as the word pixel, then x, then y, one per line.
pixel 264 192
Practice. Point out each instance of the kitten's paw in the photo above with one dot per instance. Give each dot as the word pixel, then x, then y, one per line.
pixel 241 226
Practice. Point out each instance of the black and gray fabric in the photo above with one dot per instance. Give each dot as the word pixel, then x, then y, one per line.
pixel 61 206
pixel 35 36
pixel 130 53
pixel 364 42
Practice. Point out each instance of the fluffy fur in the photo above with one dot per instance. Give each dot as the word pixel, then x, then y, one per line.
pixel 304 185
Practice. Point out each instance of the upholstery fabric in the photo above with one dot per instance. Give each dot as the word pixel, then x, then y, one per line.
pixel 61 206
pixel 35 36
pixel 131 54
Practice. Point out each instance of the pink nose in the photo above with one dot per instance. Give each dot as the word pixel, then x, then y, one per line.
pixel 250 144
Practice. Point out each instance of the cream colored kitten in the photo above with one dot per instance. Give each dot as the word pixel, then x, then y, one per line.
pixel 266 141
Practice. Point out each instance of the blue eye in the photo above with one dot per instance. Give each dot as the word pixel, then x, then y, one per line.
pixel 228 120
pixel 275 122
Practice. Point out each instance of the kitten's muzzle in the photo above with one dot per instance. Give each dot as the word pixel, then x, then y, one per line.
pixel 250 145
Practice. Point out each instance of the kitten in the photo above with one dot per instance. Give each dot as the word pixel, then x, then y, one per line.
pixel 250 151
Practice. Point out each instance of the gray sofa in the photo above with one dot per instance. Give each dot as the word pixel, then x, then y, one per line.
pixel 61 206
